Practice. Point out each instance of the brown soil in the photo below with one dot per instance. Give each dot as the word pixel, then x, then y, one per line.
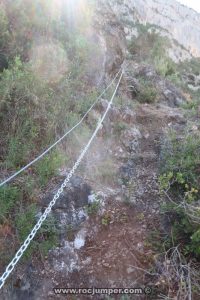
pixel 117 253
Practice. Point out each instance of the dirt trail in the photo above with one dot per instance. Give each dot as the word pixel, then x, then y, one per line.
pixel 116 251
pixel 117 254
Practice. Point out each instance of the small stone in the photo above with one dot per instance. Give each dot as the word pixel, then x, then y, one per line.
pixel 130 270
pixel 140 246
pixel 79 241
pixel 91 199
pixel 106 265
pixel 194 128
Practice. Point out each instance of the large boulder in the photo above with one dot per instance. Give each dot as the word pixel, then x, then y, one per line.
pixel 69 208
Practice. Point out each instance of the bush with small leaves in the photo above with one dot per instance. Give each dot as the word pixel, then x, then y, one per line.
pixel 9 197
pixel 179 182
pixel 148 93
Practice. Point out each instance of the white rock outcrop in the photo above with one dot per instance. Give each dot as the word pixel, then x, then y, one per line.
pixel 177 21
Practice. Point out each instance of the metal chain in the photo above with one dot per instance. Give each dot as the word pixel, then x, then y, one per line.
pixel 60 139
pixel 30 237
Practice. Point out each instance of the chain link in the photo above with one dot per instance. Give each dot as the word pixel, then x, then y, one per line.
pixel 30 237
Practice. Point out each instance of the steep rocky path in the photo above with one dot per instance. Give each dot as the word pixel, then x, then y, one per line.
pixel 110 248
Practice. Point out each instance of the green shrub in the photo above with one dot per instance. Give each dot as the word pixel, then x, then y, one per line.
pixel 190 66
pixel 148 93
pixel 93 207
pixel 106 219
pixel 195 243
pixel 175 78
pixel 119 101
pixel 30 188
pixel 83 104
pixel 120 127
pixel 17 152
pixel 22 115
pixel 24 222
pixel 35 110
pixel 48 167
pixel 180 180
pixel 183 156
pixel 151 47
pixel 47 245
pixel 184 231
pixel 148 45
pixel 9 196
pixel 164 66
pixel 47 238
pixel 192 105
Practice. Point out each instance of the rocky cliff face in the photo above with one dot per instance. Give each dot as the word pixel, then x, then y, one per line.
pixel 178 22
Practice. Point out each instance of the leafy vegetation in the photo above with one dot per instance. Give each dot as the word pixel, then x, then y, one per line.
pixel 120 127
pixel 106 219
pixel 9 196
pixel 46 168
pixel 48 238
pixel 184 76
pixel 190 66
pixel 44 91
pixel 25 221
pixel 179 182
pixel 151 47
pixel 93 208
pixel 148 93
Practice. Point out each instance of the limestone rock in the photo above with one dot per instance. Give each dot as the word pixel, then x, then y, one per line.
pixel 173 19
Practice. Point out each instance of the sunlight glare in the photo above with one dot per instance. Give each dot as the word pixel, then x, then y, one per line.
pixel 76 11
